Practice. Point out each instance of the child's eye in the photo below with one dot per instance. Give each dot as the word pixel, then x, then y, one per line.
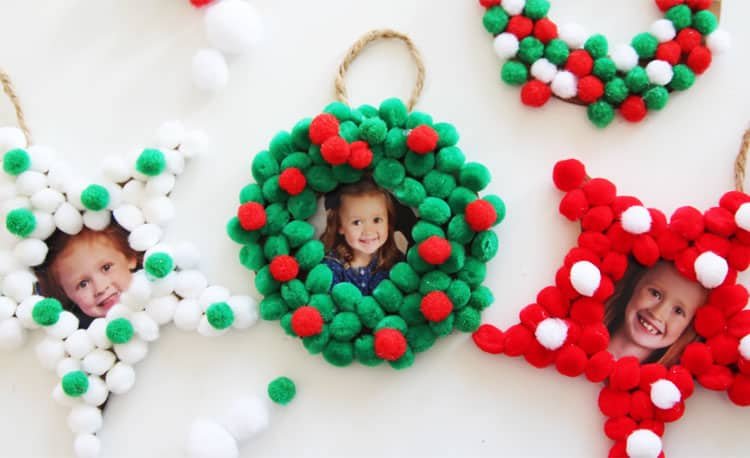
pixel 679 310
pixel 654 293
pixel 356 222
pixel 82 284
pixel 106 267
pixel 378 220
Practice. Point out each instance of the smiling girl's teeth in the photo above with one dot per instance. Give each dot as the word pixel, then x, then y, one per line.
pixel 652 330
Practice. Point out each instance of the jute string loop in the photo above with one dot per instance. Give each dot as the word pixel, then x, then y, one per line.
pixel 739 163
pixel 359 45
pixel 11 93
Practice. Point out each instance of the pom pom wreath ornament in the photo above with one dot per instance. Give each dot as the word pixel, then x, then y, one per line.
pixel 282 390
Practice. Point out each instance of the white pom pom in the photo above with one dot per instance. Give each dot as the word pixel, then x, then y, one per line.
pixel 551 333
pixel 208 439
pixel 138 293
pixel 133 192
pixel 118 311
pixel 636 220
pixel 98 332
pixel 643 443
pixel 664 394
pixel 65 326
pixel 128 216
pixel 719 41
pixel 74 189
pixel 585 278
pixel 58 176
pixel 186 256
pixel 196 143
pixel 663 30
pixel 163 286
pixel 245 311
pixel 14 203
pixel 209 69
pixel 745 347
pixel 18 285
pixel 45 225
pixel 175 161
pixel 116 169
pixel 50 352
pixel 711 269
pixel 85 419
pixel 145 326
pixel 742 217
pixel 97 220
pixel 7 191
pixel 573 35
pixel 97 392
pixel 247 417
pixel 41 157
pixel 25 309
pixel 30 182
pixel 132 352
pixel 144 237
pixel 162 309
pixel 565 85
pixel 506 45
pixel 12 334
pixel 188 315
pixel 30 252
pixel 205 329
pixel 625 57
pixel 158 210
pixel 68 219
pixel 212 295
pixel 7 307
pixel 79 344
pixel 190 284
pixel 121 378
pixel 170 134
pixel 11 138
pixel 87 446
pixel 98 362
pixel 544 70
pixel 160 185
pixel 8 263
pixel 159 248
pixel 63 399
pixel 233 26
pixel 659 72
pixel 513 7
pixel 67 365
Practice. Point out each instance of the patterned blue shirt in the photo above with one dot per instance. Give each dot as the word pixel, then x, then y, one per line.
pixel 365 279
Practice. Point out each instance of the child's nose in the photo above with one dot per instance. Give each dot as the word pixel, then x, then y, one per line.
pixel 661 310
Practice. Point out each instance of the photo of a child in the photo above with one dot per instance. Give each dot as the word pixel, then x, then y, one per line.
pixel 359 235
pixel 88 271
pixel 651 315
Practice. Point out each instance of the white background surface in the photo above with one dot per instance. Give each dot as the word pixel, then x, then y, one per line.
pixel 97 77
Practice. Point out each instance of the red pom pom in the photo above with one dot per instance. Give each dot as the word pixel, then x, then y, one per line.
pixel 590 89
pixel 580 254
pixel 552 301
pixel 335 151
pixel 422 139
pixel 579 63
pixel 618 450
pixel 683 380
pixel 739 256
pixel 739 391
pixel 622 203
pixel 671 244
pixel 587 311
pixel 658 222
pixel 307 321
pixel 730 299
pixel 689 39
pixel 600 191
pixel 656 426
pixel 545 30
pixel 574 204
pixel 200 3
pixel 594 241
pixel 323 127
pixel 671 414
pixel 390 344
pixel 594 338
pixel 685 263
pixel 284 268
pixel 709 321
pixel 664 5
pixel 717 378
pixel 571 361
pixel 622 241
pixel 724 348
pixel 252 216
pixel 619 428
pixel 615 265
pixel 532 315
pixel 535 93
pixel 699 59
pixel 597 218
pixel 645 250
pixel 651 373
pixel 605 290
pixel 633 109
pixel 697 358
pixel 520 26
pixel 600 366
pixel 669 51
pixel 360 156
pixel 537 355
pixel 568 174
pixel 626 374
pixel 480 215
pixel 292 180
pixel 687 222
pixel 489 3
pixel 436 306
pixel 435 250
pixel 641 407
pixel 696 5
pixel 732 200
pixel 489 339
pixel 711 242
pixel 516 340
pixel 739 324
pixel 614 403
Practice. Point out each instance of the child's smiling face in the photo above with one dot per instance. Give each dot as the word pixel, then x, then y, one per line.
pixel 364 224
pixel 93 272
pixel 662 306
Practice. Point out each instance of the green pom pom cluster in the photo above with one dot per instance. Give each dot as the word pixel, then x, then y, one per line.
pixel 95 197
pixel 75 384
pixel 282 390
pixel 438 185
pixel 159 265
pixel 47 311
pixel 120 331
pixel 619 85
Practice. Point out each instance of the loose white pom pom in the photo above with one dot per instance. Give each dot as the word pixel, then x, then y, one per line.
pixel 98 362
pixel 7 307
pixel 636 220
pixel 45 225
pixel 711 269
pixel 30 252
pixel 97 220
pixel 719 41
pixel 565 85
pixel 30 182
pixel 79 344
pixel 18 285
pixel 132 352
pixel 245 311
pixel 121 378
pixel 98 332
pixel 208 439
pixel 67 365
pixel 506 45
pixel 128 216
pixel 625 57
pixel 247 417
pixel 659 72
pixel 162 309
pixel 66 325
pixel 188 315
pixel 742 217
pixel 585 278
pixel 233 26
pixel 664 394
pixel 12 334
pixel 643 443
pixel 50 352
pixel 11 138
pixel 551 333
pixel 663 30
pixel 170 134
pixel 87 446
pixel 133 192
pixel 175 161
pixel 544 70
pixel 745 347
pixel 186 256
pixel 97 392
pixel 144 237
pixel 160 185
pixel 190 284
pixel 205 329
pixel 513 7
pixel 210 71
pixel 116 169
pixel 84 419
pixel 158 210
pixel 196 143
pixel 145 326
pixel 573 35
pixel 68 219
pixel 212 295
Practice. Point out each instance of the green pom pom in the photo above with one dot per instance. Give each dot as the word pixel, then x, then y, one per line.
pixel 301 161
pixel 315 156
pixel 368 111
pixel 616 91
pixel 338 353
pixel 389 173
pixel 416 262
pixel 605 69
pixel 220 315
pixel 455 261
pixel 310 254
pixel 601 113
pixel 405 361
pixel 481 298
pixel 159 265
pixel 404 277
pixel 645 45
pixel 316 344
pixel 272 307
pixel 637 80
pixel 439 184
pixel 436 280
pixel 536 9
pixel 20 222
pixel 320 178
pixel 445 327
pixel 473 273
pixel 120 331
pixel 681 16
pixel 495 20
pixel 282 390
pixel 264 166
pixel 295 294
pixel 530 50
pixel 75 384
pixel 95 197
pixel 597 46
pixel 251 256
pixel 468 320
pixel 423 230
pixel 458 292
pixel 417 118
pixel 514 73
pixel 151 162
pixel 474 176
pixel 349 131
pixel 411 310
pixel 459 198
pixel 301 135
pixel 340 110
pixel 419 164
pixel 393 112
pixel 47 311
pixel 420 338
pixel 286 324
pixel 388 296
pixel 345 326
pixel 683 77
pixel 252 193
pixel 484 247
pixel 298 232
pixel 281 146
pixel 392 322
pixel 410 192
pixel 324 304
pixel 450 159
pixel 447 134
pixel 557 51
pixel 273 192
pixel 434 210
pixel 705 22
pixel 346 296
pixel 656 98
pixel 16 161
pixel 499 205
pixel 265 283
pixel 373 130
pixel 395 143
pixel 345 173
pixel 459 230
pixel 364 350
pixel 370 312
pixel 319 279
pixel 303 205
